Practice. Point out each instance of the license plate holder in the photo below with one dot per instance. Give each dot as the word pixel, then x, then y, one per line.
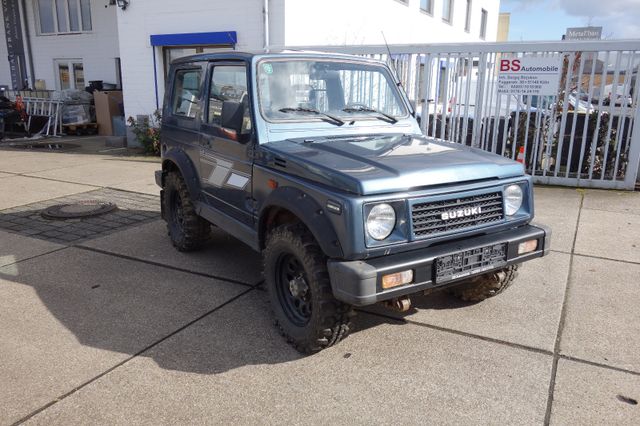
pixel 469 262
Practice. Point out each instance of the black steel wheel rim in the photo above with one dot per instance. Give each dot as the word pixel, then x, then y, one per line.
pixel 177 211
pixel 293 290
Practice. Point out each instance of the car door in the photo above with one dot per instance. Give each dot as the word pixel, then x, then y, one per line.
pixel 226 154
pixel 181 115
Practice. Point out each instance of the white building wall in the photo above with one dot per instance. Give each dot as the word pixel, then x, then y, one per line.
pixel 347 22
pixel 5 74
pixel 292 23
pixel 97 49
pixel 146 17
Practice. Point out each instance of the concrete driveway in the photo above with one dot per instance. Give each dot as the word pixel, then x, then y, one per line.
pixel 105 323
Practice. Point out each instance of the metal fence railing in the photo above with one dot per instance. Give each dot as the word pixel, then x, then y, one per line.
pixel 585 134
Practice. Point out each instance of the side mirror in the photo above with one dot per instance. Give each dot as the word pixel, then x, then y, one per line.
pixel 232 115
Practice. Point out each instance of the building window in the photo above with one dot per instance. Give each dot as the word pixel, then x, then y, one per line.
pixel 63 77
pixel 467 21
pixel 70 74
pixel 447 11
pixel 483 24
pixel 427 6
pixel 64 16
pixel 85 14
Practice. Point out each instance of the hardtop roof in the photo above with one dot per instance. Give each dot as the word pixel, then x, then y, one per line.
pixel 249 55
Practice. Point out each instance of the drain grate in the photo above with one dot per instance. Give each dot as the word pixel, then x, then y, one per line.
pixel 88 208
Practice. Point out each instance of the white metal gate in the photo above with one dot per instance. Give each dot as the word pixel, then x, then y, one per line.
pixel 586 135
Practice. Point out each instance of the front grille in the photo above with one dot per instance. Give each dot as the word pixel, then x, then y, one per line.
pixel 464 212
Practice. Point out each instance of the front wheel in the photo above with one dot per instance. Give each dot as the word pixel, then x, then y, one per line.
pixel 484 286
pixel 296 275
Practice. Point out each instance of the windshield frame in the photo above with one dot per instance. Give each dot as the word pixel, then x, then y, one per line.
pixel 312 118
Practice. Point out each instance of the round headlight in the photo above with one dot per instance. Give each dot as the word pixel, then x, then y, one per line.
pixel 381 221
pixel 512 199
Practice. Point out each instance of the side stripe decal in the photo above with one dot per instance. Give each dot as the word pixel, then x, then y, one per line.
pixel 223 173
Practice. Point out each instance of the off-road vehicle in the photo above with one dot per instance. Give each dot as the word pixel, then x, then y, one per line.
pixel 318 162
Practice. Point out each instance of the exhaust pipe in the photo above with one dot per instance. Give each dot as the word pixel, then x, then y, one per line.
pixel 400 304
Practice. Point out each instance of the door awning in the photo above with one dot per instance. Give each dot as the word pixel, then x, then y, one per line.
pixel 227 38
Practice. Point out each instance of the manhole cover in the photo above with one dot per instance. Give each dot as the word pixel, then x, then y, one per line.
pixel 78 210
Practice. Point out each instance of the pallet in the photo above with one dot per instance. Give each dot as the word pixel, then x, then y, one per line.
pixel 80 129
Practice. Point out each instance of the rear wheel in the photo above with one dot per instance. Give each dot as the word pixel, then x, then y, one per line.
pixel 484 286
pixel 296 275
pixel 187 230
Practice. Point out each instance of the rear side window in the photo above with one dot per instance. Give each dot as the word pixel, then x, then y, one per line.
pixel 186 93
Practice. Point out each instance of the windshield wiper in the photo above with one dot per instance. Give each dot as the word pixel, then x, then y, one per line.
pixel 332 119
pixel 381 115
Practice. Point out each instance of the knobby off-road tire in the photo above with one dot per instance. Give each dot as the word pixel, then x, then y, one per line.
pixel 485 286
pixel 296 275
pixel 187 230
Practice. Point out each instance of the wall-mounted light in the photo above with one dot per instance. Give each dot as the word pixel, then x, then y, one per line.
pixel 122 4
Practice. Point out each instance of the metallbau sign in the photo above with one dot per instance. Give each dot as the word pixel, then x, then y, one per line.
pixel 15 46
pixel 529 76
pixel 583 33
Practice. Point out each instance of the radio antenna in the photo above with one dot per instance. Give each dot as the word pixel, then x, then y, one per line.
pixel 395 68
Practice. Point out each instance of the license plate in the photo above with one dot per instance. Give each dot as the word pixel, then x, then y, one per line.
pixel 470 262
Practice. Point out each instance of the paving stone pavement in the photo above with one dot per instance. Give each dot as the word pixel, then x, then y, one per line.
pixel 133 209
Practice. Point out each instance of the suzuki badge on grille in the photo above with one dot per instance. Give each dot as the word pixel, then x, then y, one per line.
pixel 457 213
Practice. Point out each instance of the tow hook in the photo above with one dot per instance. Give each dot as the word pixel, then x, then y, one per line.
pixel 400 304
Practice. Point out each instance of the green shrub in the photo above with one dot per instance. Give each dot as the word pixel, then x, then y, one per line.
pixel 147 132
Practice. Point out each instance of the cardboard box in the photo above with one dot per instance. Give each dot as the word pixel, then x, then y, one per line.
pixel 107 107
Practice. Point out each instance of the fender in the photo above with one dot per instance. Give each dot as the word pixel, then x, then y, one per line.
pixel 186 168
pixel 309 212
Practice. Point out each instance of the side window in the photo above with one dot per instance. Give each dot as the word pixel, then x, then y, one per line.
pixel 229 83
pixel 186 93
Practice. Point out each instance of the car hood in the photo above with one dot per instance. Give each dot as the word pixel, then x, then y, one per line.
pixel 379 164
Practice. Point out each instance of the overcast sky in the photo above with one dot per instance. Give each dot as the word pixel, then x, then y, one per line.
pixel 548 19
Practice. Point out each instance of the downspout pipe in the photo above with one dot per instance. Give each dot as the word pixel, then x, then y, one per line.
pixel 266 25
pixel 27 36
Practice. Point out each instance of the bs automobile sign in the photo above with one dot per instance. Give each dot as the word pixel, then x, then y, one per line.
pixel 529 76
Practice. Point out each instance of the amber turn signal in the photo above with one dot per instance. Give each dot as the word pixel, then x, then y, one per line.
pixel 396 279
pixel 527 247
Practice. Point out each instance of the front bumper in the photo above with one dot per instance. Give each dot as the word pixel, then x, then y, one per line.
pixel 359 282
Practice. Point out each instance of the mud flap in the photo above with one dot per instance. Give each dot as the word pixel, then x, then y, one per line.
pixel 162 212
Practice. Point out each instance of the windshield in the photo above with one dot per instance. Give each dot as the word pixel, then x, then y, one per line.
pixel 310 89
